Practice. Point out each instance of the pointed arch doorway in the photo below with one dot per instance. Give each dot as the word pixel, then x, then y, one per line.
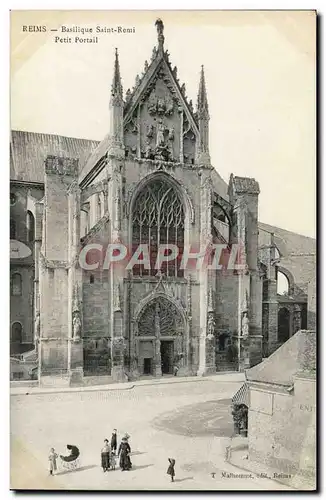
pixel 160 337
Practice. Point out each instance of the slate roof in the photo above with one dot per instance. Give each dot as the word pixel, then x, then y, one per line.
pixel 28 151
pixel 289 242
pixel 287 357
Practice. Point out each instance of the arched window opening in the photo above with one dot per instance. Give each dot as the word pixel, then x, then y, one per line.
pixel 30 226
pixel 221 224
pixel 16 333
pixel 16 284
pixel 283 324
pixel 283 286
pixel 91 278
pixel 84 229
pixel 12 229
pixel 158 219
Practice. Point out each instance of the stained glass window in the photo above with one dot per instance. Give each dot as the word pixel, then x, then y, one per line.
pixel 157 219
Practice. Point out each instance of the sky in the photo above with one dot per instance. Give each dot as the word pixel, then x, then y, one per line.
pixel 260 79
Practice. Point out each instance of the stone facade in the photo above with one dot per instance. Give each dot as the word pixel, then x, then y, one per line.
pixel 150 181
pixel 282 411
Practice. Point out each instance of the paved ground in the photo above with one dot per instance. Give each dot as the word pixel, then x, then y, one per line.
pixel 188 420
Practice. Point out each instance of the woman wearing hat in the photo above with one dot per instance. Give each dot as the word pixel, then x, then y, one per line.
pixel 124 453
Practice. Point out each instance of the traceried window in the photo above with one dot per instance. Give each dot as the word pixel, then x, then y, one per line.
pixel 16 284
pixel 157 219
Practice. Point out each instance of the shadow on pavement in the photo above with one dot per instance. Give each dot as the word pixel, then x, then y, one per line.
pixel 183 479
pixel 138 467
pixel 86 467
pixel 133 453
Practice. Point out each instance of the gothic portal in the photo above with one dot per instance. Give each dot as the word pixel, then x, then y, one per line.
pixel 207 303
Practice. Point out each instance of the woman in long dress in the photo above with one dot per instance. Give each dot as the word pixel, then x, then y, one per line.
pixel 124 453
pixel 105 456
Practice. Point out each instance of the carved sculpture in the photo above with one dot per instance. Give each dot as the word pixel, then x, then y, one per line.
pixel 171 134
pixel 150 131
pixel 183 89
pixel 154 52
pixel 160 134
pixel 137 82
pixel 37 326
pixel 76 323
pixel 175 72
pixel 245 325
pixel 128 95
pixel 148 151
pixel 146 66
pixel 159 26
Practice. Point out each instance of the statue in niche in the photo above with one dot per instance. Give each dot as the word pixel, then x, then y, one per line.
pixel 150 131
pixel 245 325
pixel 76 325
pixel 171 134
pixel 37 326
pixel 160 134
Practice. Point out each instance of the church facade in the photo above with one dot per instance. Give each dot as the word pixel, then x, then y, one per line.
pixel 149 185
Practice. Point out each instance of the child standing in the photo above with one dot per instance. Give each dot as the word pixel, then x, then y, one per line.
pixel 52 461
pixel 113 461
pixel 171 470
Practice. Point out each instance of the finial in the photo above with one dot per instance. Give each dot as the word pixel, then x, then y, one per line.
pixel 202 103
pixel 160 37
pixel 116 89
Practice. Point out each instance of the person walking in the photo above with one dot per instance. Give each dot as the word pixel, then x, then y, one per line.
pixel 114 441
pixel 171 470
pixel 105 456
pixel 52 461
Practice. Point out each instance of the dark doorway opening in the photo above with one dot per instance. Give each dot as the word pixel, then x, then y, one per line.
pixel 147 366
pixel 167 356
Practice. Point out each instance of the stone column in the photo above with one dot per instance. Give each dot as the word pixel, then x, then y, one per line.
pixel 157 350
pixel 206 239
pixel 75 357
pixel 116 271
pixel 244 193
pixel 272 305
pixel 54 345
pixel 37 250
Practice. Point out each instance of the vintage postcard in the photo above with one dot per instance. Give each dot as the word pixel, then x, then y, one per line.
pixel 162 250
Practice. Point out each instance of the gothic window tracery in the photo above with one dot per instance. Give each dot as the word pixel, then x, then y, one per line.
pixel 160 318
pixel 157 219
